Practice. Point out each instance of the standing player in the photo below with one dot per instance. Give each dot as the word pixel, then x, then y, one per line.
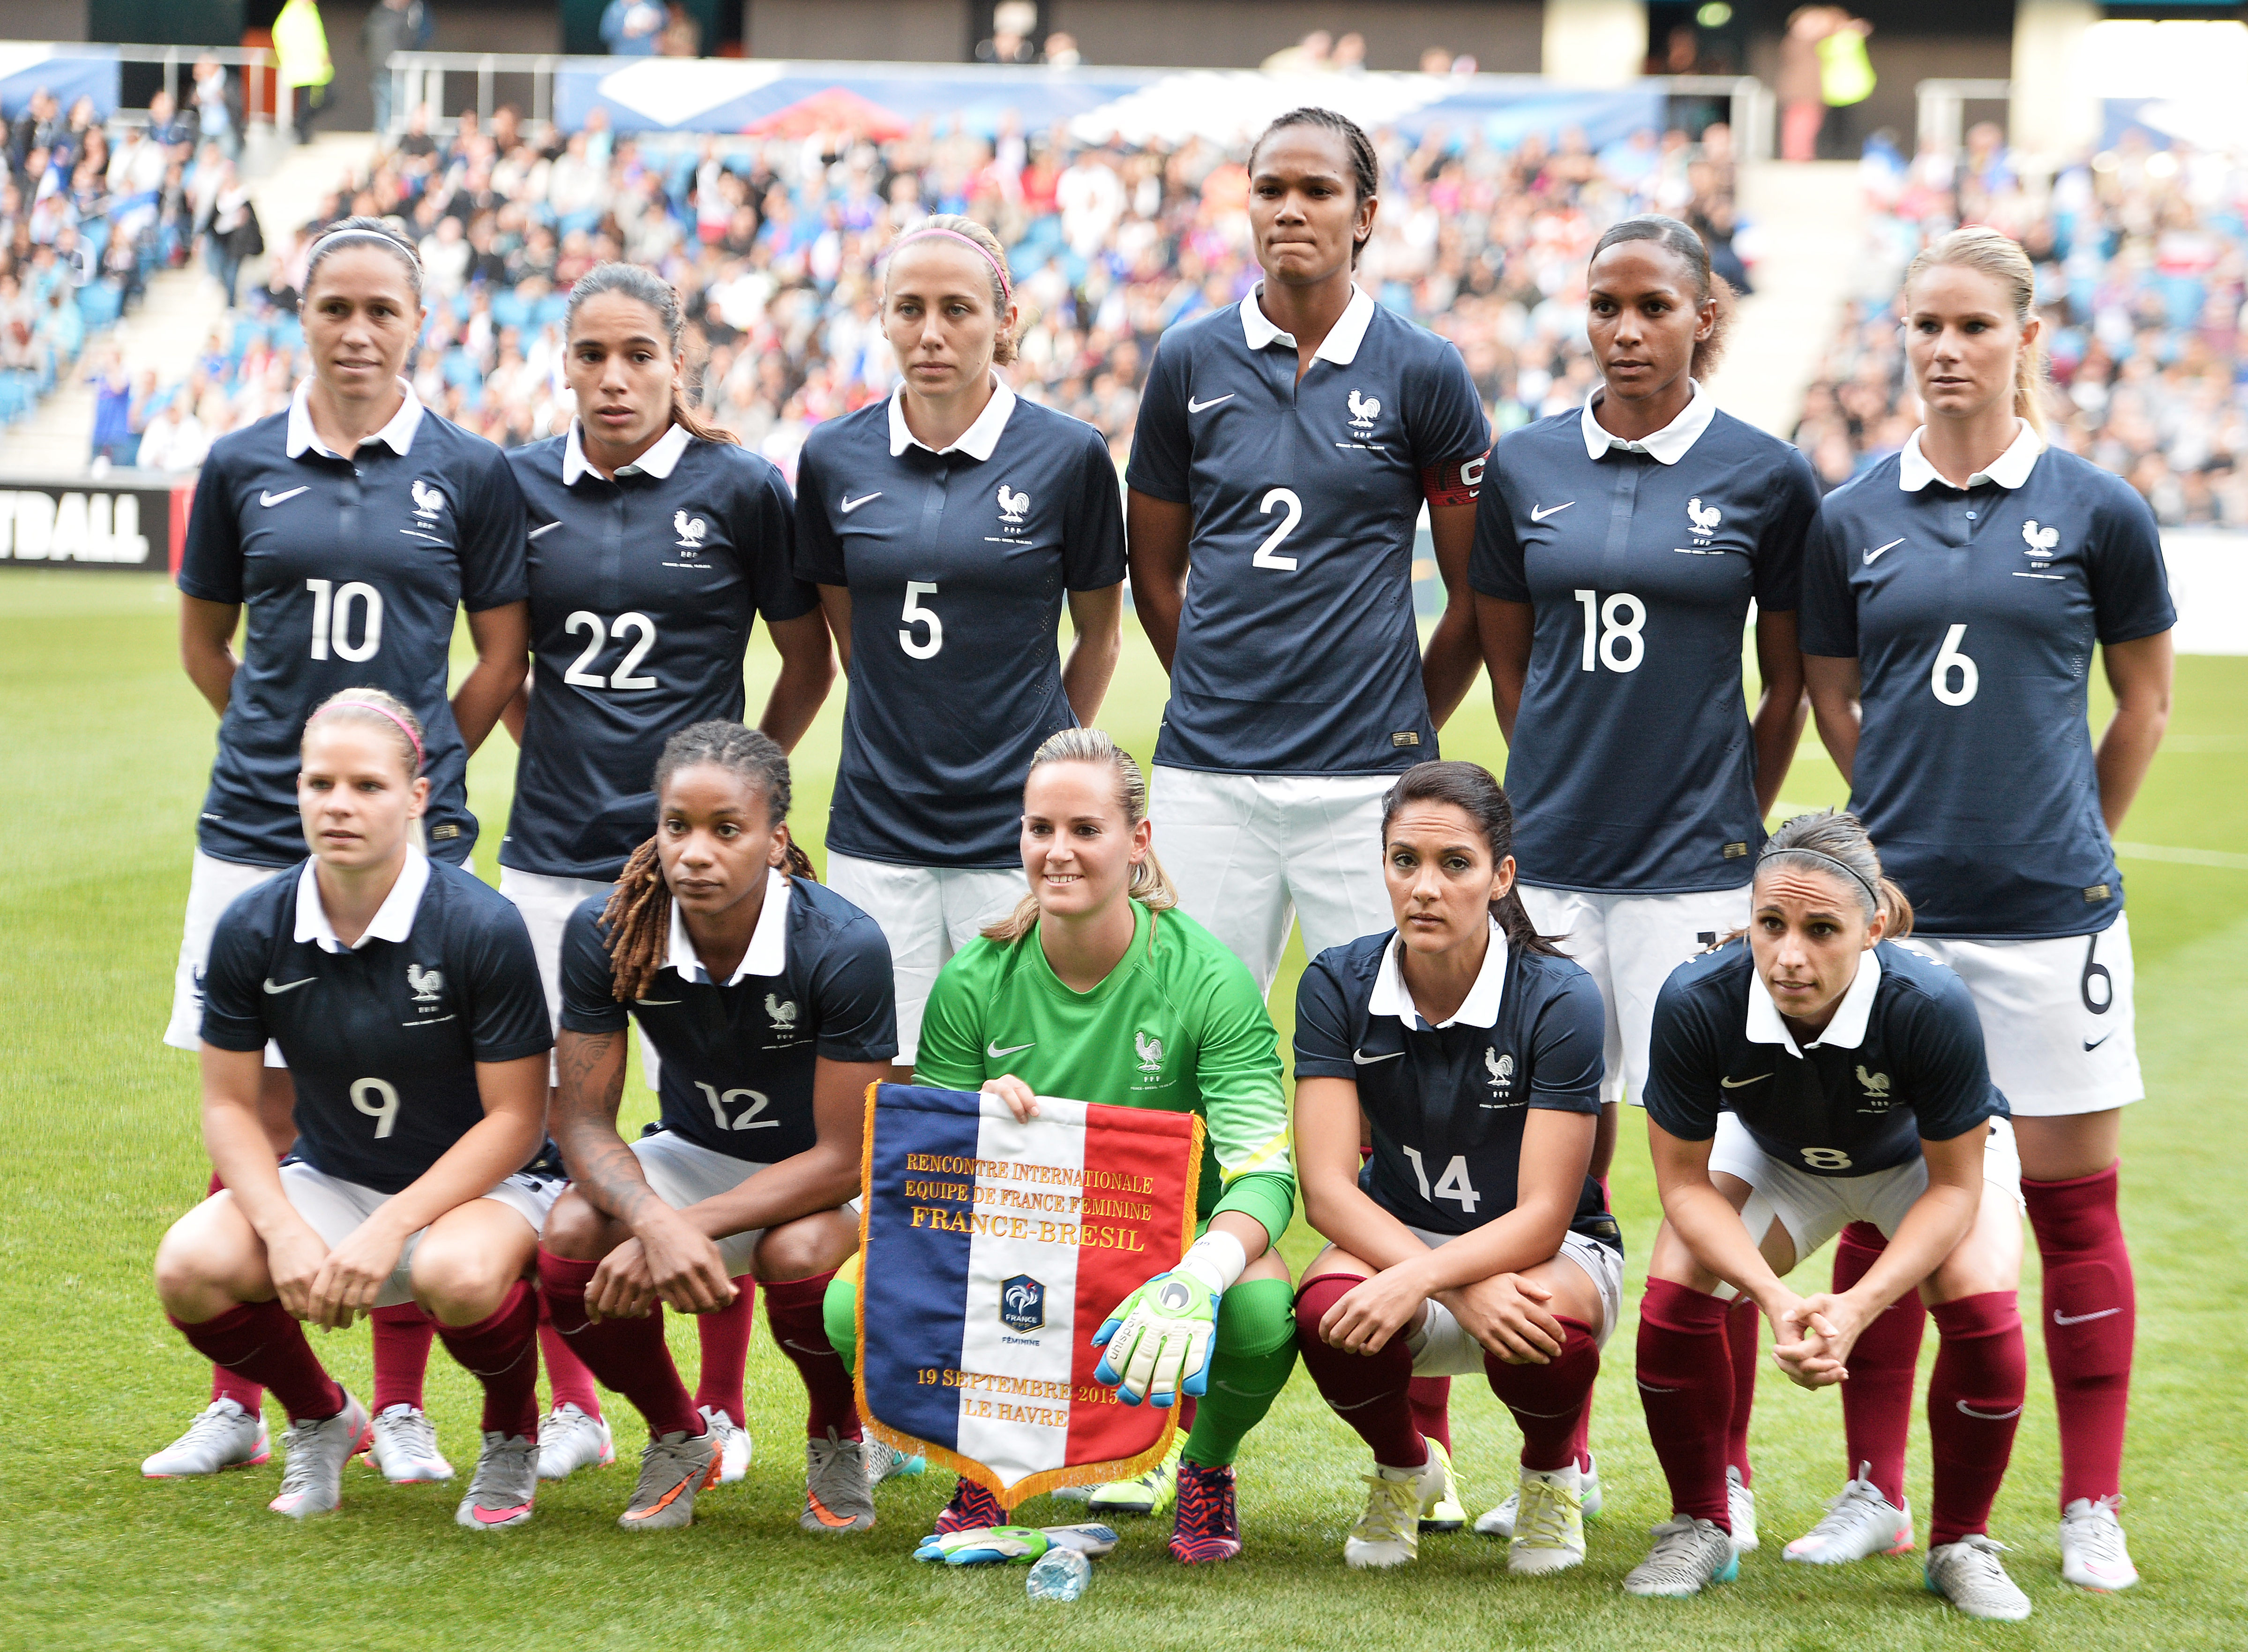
pixel 768 1002
pixel 1098 989
pixel 352 528
pixel 1471 1048
pixel 1953 596
pixel 403 994
pixel 944 527
pixel 1812 1075
pixel 655 543
pixel 1618 550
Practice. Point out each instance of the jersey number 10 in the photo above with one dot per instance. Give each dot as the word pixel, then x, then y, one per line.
pixel 332 620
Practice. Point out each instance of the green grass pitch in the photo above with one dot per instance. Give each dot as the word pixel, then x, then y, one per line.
pixel 107 750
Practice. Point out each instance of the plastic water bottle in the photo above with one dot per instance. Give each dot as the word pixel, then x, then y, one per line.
pixel 1060 1574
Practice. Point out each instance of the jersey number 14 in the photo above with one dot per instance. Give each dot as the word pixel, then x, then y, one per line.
pixel 1453 1184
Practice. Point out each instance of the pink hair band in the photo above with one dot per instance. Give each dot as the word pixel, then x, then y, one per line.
pixel 404 727
pixel 1006 286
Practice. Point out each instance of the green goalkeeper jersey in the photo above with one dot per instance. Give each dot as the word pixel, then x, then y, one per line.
pixel 1177 1024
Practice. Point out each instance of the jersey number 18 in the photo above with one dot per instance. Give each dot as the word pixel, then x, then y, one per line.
pixel 1611 630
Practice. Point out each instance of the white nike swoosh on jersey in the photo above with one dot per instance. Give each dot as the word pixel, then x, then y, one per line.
pixel 289 986
pixel 1366 1060
pixel 1194 406
pixel 1966 1409
pixel 1735 1084
pixel 1891 546
pixel 657 1001
pixel 1537 515
pixel 2058 1318
pixel 268 500
pixel 994 1052
pixel 849 505
pixel 549 528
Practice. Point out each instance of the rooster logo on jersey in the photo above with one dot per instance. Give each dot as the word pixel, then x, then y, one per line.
pixel 1012 506
pixel 427 983
pixel 428 501
pixel 1364 412
pixel 2039 542
pixel 1876 1084
pixel 690 530
pixel 783 1012
pixel 1705 518
pixel 1501 1068
pixel 1151 1053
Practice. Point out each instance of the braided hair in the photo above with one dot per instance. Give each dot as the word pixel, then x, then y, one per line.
pixel 637 920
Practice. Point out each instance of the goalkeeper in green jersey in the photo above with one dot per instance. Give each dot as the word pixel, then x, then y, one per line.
pixel 1100 990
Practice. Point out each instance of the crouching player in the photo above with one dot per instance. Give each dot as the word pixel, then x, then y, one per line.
pixel 1097 988
pixel 1479 1243
pixel 1820 1074
pixel 768 1000
pixel 405 998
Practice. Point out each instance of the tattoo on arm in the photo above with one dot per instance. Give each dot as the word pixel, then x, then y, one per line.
pixel 585 1103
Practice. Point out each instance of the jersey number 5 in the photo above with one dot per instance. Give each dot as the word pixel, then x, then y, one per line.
pixel 1611 631
pixel 1453 1184
pixel 915 615
pixel 623 677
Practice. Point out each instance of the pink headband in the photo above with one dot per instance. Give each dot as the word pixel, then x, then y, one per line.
pixel 1006 287
pixel 404 727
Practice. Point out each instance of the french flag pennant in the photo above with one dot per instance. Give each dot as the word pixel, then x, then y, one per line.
pixel 990 1251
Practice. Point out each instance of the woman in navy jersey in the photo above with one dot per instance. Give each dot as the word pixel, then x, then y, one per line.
pixel 945 528
pixel 655 542
pixel 769 1000
pixel 1953 597
pixel 1619 549
pixel 1810 1074
pixel 352 528
pixel 402 993
pixel 1476 1242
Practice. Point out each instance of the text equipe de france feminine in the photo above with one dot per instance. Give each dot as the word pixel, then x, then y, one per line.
pixel 998 1185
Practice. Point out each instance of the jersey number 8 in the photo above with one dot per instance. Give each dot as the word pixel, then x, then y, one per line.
pixel 1453 1184
pixel 332 620
pixel 1825 1158
pixel 1611 631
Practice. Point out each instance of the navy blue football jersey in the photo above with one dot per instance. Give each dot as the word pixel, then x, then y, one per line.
pixel 739 1056
pixel 382 1040
pixel 1900 1062
pixel 643 590
pixel 1447 1103
pixel 957 563
pixel 351 570
pixel 1298 651
pixel 1632 770
pixel 1973 617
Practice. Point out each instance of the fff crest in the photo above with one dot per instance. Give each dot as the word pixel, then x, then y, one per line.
pixel 1022 1303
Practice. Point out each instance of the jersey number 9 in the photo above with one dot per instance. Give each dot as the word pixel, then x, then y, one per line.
pixel 625 675
pixel 332 620
pixel 1611 630
pixel 377 1098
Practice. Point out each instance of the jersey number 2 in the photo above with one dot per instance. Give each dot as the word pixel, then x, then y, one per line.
pixel 1287 499
pixel 1453 1184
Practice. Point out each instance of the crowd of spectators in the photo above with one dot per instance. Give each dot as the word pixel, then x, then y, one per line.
pixel 775 245
pixel 2141 258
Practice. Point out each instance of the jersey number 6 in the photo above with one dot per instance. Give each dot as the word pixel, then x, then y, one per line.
pixel 1949 661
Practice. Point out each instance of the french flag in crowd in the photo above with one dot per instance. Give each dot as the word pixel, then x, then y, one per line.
pixel 991 1251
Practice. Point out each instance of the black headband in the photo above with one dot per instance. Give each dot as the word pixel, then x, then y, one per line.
pixel 1859 877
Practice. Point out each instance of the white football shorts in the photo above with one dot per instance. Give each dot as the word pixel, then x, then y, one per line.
pixel 1630 944
pixel 1442 1347
pixel 546 904
pixel 2058 1020
pixel 683 1173
pixel 926 913
pixel 212 886
pixel 1250 854
pixel 335 1207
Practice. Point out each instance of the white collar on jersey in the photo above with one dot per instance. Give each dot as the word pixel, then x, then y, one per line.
pixel 1846 1031
pixel 768 949
pixel 2010 469
pixel 1666 446
pixel 979 440
pixel 1479 1009
pixel 393 919
pixel 659 461
pixel 1340 346
pixel 397 435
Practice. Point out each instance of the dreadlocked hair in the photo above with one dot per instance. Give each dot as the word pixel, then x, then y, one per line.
pixel 637 919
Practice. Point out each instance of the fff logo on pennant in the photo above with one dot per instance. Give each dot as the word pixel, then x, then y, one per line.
pixel 1022 1303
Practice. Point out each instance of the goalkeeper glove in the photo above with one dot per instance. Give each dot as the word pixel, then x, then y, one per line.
pixel 1157 1343
pixel 984 1545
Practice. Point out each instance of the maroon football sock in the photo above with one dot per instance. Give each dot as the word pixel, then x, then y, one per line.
pixel 1548 1401
pixel 1431 1400
pixel 400 1335
pixel 792 1308
pixel 628 1355
pixel 225 1385
pixel 568 1381
pixel 1877 1400
pixel 1686 1389
pixel 1371 1392
pixel 1743 1325
pixel 2091 1317
pixel 502 1352
pixel 725 1338
pixel 1974 1406
pixel 260 1342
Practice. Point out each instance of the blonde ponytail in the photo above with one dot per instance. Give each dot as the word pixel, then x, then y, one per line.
pixel 1151 885
pixel 2000 256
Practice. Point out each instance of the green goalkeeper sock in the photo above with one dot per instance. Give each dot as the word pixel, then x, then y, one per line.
pixel 1255 1351
pixel 839 1312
